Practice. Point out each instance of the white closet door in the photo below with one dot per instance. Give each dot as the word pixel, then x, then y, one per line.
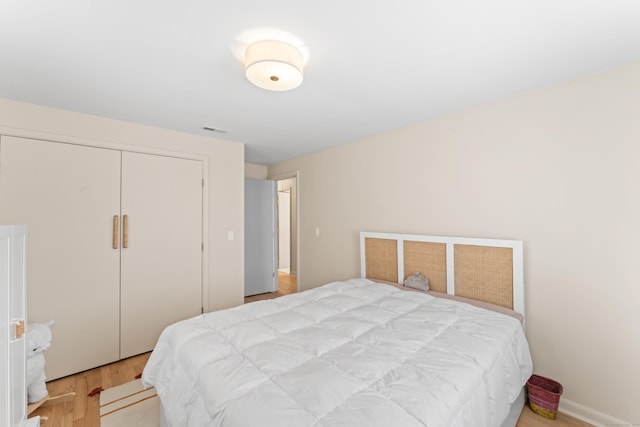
pixel 67 195
pixel 161 278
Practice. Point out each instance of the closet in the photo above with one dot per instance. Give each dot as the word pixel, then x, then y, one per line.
pixel 115 245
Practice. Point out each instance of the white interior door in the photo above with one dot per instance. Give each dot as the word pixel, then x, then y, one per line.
pixel 161 266
pixel 260 237
pixel 67 195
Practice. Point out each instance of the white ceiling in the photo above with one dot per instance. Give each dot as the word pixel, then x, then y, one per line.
pixel 373 65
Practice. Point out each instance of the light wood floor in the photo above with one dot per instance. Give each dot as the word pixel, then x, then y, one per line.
pixel 286 285
pixel 528 418
pixel 83 411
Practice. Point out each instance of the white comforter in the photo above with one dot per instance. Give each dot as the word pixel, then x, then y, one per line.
pixel 354 353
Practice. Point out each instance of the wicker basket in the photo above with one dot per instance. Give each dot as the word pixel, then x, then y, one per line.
pixel 544 396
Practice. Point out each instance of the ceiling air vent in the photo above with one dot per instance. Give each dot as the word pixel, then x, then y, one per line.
pixel 212 129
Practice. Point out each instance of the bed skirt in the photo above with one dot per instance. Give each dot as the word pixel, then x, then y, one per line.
pixel 515 410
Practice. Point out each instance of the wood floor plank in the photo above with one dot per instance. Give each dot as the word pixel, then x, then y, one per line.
pixel 80 405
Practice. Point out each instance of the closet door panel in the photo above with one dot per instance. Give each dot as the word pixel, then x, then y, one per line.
pixel 161 276
pixel 67 195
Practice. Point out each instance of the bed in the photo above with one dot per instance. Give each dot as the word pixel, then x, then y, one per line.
pixel 364 351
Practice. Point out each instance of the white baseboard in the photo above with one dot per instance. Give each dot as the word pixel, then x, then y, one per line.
pixel 592 416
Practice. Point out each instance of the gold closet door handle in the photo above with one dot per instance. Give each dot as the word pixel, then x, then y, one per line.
pixel 125 231
pixel 115 232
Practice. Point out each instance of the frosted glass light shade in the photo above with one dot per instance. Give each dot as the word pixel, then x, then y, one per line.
pixel 273 65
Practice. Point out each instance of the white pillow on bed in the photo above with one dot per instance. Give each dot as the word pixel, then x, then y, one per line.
pixel 417 281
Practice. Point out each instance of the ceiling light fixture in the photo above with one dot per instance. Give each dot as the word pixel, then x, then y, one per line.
pixel 273 65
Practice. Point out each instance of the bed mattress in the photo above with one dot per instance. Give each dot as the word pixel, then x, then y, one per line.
pixel 354 353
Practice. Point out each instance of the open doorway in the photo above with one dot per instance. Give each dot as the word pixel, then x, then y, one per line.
pixel 284 231
pixel 287 234
pixel 285 261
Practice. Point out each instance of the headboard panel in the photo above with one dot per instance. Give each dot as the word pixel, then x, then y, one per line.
pixel 382 262
pixel 484 273
pixel 426 256
pixel 489 270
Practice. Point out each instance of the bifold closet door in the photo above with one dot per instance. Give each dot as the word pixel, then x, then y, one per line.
pixel 161 261
pixel 67 195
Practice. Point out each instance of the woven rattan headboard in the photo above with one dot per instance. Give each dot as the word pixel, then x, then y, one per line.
pixel 488 270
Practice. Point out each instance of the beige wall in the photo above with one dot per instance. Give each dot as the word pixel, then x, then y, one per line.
pixel 253 171
pixel 558 169
pixel 225 181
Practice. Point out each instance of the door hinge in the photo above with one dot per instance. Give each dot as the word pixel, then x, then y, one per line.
pixel 201 310
pixel 203 247
pixel 202 182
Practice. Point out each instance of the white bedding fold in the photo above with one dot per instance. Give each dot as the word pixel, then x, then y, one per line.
pixel 354 353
